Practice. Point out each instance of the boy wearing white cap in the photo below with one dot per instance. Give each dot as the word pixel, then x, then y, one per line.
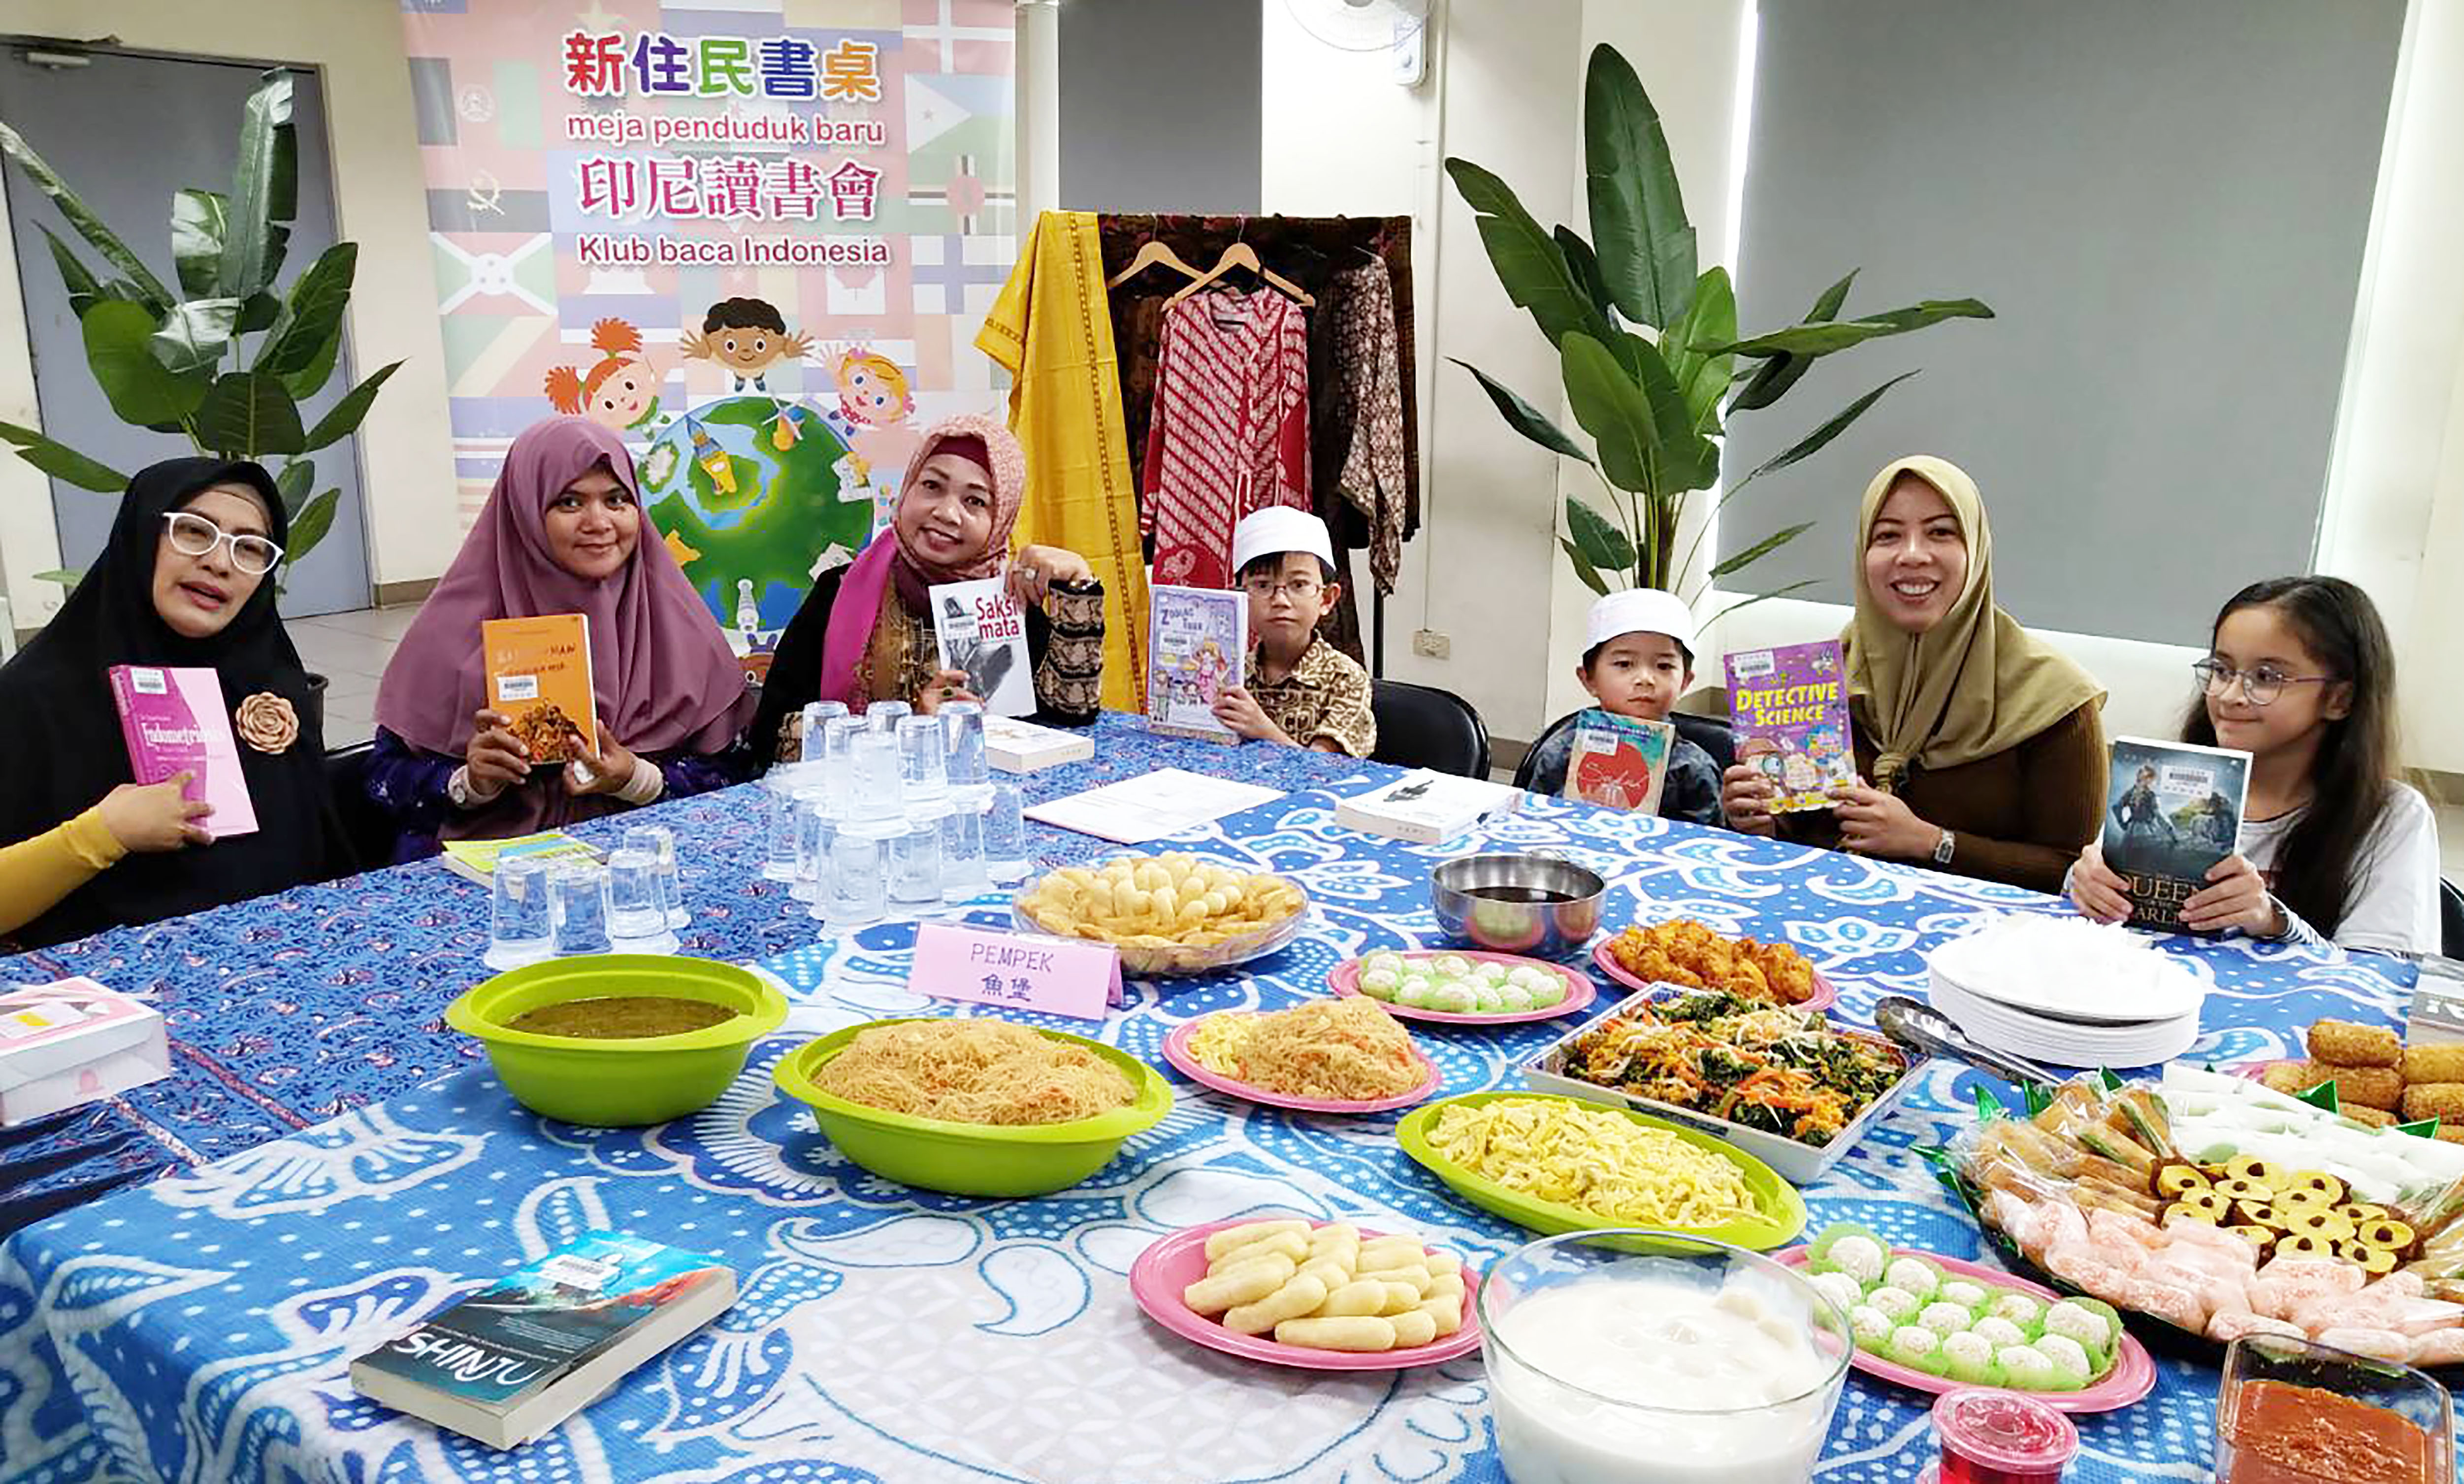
pixel 1301 690
pixel 1638 659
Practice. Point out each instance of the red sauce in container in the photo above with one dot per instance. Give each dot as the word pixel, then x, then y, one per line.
pixel 2001 1438
pixel 2287 1435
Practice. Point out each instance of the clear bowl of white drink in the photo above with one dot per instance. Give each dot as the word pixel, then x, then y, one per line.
pixel 1657 1360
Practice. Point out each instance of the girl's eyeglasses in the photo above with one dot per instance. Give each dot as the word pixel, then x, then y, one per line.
pixel 194 535
pixel 2260 686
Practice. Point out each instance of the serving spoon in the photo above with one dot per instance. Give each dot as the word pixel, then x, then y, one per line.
pixel 1921 1028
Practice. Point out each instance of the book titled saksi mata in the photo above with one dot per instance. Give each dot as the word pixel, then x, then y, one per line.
pixel 175 720
pixel 981 632
pixel 544 1341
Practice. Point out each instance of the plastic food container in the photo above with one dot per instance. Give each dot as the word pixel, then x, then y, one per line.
pixel 973 1159
pixel 627 1081
pixel 1802 1164
pixel 1999 1437
pixel 1695 1364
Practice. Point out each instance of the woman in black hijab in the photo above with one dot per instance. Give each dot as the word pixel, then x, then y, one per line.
pixel 188 581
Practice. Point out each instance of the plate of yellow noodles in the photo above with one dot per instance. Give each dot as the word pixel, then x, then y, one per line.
pixel 1556 1164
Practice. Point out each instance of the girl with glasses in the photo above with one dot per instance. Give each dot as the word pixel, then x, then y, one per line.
pixel 187 580
pixel 2300 675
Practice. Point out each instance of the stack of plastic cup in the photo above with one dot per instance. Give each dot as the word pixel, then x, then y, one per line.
pixel 964 874
pixel 779 827
pixel 915 857
pixel 661 842
pixel 875 814
pixel 837 761
pixel 886 715
pixel 517 922
pixel 577 904
pixel 963 724
pixel 923 758
pixel 816 717
pixel 1005 831
pixel 815 832
pixel 855 896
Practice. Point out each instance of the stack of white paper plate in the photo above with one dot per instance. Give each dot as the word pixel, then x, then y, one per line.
pixel 2069 992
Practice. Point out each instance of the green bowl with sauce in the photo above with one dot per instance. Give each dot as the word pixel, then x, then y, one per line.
pixel 974 1159
pixel 615 1051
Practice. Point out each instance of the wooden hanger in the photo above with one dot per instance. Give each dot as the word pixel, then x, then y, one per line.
pixel 1153 253
pixel 1239 254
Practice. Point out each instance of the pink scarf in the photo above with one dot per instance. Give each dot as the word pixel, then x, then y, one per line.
pixel 885 562
pixel 663 673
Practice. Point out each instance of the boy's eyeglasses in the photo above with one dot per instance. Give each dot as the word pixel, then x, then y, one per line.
pixel 194 535
pixel 2260 686
pixel 1297 589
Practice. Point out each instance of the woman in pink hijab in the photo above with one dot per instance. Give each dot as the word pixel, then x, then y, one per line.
pixel 865 633
pixel 562 533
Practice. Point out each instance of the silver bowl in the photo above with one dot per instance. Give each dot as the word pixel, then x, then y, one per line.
pixel 1517 904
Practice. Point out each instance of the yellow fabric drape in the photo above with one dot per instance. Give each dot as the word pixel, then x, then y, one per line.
pixel 1052 329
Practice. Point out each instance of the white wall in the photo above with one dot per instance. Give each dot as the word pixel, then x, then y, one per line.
pixel 380 200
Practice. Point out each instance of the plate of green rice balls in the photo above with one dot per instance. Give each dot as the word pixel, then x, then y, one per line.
pixel 1936 1323
pixel 1453 987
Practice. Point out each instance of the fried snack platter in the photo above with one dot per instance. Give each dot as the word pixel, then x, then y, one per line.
pixel 1691 956
pixel 1320 1296
pixel 1784 1084
pixel 2217 1207
pixel 2378 1079
pixel 1167 915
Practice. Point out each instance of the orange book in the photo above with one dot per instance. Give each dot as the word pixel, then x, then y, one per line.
pixel 538 674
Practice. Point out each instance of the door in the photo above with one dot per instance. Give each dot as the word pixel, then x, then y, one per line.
pixel 127 131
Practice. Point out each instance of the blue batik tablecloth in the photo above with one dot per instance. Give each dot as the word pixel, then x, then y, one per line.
pixel 199 1328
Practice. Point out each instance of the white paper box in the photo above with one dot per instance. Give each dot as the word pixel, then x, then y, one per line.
pixel 73 1042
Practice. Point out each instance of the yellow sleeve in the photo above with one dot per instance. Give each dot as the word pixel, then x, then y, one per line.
pixel 35 874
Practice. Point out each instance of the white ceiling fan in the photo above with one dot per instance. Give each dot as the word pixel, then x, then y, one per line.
pixel 1396 26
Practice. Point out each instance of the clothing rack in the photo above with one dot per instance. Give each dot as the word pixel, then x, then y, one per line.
pixel 1309 252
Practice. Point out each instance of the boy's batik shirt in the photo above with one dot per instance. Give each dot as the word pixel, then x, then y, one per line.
pixel 1326 695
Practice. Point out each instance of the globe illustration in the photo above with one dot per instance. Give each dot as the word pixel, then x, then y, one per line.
pixel 746 518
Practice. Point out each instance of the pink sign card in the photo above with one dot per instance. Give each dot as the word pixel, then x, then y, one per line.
pixel 985 966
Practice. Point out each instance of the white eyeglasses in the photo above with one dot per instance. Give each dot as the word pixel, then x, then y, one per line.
pixel 194 535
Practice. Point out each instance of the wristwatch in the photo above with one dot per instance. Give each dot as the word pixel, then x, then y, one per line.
pixel 1943 847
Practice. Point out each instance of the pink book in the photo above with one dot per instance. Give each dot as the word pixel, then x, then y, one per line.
pixel 175 719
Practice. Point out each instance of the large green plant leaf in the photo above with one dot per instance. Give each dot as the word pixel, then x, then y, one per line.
pixel 1583 567
pixel 258 312
pixel 141 388
pixel 1822 340
pixel 84 290
pixel 1527 260
pixel 66 577
pixel 293 484
pixel 312 323
pixel 265 189
pixel 196 334
pixel 1710 315
pixel 344 417
pixel 1812 441
pixel 310 525
pixel 89 225
pixel 1682 459
pixel 1776 374
pixel 1762 549
pixel 1597 537
pixel 1523 416
pixel 1585 265
pixel 246 415
pixel 63 462
pixel 1612 407
pixel 1646 248
pixel 199 222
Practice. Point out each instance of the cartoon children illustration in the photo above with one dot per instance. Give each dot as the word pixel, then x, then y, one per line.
pixel 1212 668
pixel 874 406
pixel 621 392
pixel 748 337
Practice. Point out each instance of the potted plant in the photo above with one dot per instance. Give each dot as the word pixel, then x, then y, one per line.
pixel 226 359
pixel 1654 405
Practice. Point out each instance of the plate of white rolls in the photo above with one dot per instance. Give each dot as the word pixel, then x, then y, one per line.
pixel 1322 1296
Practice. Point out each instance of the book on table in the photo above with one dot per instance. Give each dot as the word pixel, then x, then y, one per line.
pixel 981 632
pixel 1015 746
pixel 1198 641
pixel 538 676
pixel 174 720
pixel 1789 706
pixel 546 1340
pixel 2172 810
pixel 1426 807
pixel 1619 762
pixel 475 861
pixel 70 1042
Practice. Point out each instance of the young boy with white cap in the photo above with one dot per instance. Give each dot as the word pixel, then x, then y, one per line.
pixel 1301 690
pixel 1638 659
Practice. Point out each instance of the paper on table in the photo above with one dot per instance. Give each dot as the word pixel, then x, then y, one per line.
pixel 1151 805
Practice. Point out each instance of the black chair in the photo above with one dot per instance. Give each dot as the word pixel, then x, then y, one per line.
pixel 2451 920
pixel 1711 733
pixel 368 831
pixel 1423 727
